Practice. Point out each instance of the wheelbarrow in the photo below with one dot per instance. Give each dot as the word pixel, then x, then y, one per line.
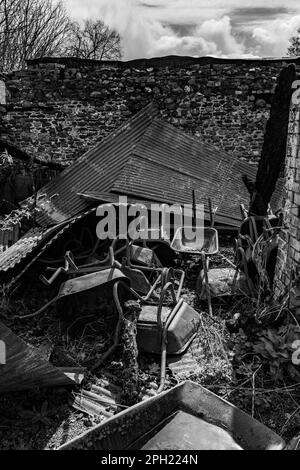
pixel 186 417
pixel 207 246
pixel 147 263
pixel 138 279
pixel 166 327
pixel 86 290
pixel 228 281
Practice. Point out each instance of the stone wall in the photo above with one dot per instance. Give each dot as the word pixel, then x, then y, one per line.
pixel 288 261
pixel 59 108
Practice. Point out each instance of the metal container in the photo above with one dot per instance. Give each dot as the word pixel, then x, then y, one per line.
pixel 187 417
pixel 182 324
pixel 209 244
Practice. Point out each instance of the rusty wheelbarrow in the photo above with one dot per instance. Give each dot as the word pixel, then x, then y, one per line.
pixel 167 326
pixel 186 417
pixel 89 287
pixel 226 281
pixel 135 273
pixel 206 246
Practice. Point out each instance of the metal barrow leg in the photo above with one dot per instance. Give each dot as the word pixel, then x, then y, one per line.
pixel 163 330
pixel 118 327
pixel 208 293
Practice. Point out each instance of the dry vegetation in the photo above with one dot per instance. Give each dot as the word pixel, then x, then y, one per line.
pixel 243 353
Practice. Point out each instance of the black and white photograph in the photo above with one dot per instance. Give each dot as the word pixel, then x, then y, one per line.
pixel 149 228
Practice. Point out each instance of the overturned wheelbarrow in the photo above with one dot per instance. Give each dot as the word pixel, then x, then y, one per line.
pixel 186 417
pixel 82 284
pixel 85 291
pixel 166 327
pixel 137 278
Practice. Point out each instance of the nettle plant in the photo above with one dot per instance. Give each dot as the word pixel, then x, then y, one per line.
pixel 278 348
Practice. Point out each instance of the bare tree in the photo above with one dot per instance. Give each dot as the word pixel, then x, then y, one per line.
pixel 294 48
pixel 94 40
pixel 29 29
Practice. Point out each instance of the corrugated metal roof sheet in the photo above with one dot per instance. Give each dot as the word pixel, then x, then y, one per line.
pixel 162 158
pixel 140 178
pixel 171 164
pixel 25 245
pixel 34 243
pixel 96 170
pixel 8 236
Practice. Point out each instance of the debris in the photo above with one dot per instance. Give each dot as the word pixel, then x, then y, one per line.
pixel 78 287
pixel 74 373
pixel 130 375
pixel 138 148
pixel 25 368
pixel 140 426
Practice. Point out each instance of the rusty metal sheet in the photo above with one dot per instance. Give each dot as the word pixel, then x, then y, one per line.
pixel 142 178
pixel 96 170
pixel 8 236
pixel 112 198
pixel 28 253
pixel 25 367
pixel 181 161
pixel 24 246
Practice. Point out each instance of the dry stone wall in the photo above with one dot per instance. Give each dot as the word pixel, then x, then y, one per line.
pixel 59 108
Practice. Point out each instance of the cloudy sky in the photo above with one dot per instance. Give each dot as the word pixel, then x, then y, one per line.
pixel 224 28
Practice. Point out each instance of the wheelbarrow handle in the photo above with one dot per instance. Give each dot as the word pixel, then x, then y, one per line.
pixel 118 327
pixel 169 286
pixel 48 282
pixel 69 262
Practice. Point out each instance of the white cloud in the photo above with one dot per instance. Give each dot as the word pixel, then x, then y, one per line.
pixel 274 37
pixel 147 31
pixel 145 36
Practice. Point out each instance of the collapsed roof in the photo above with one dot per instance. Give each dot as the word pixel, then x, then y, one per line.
pixel 149 159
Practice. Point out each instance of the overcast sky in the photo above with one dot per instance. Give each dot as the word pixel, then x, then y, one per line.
pixel 224 28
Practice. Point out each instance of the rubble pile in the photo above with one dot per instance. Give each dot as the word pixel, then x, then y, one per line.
pixel 106 318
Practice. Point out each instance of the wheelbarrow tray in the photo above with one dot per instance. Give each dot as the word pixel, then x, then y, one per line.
pixel 183 323
pixel 90 281
pixel 187 417
pixel 209 244
pixel 223 282
pixel 86 290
